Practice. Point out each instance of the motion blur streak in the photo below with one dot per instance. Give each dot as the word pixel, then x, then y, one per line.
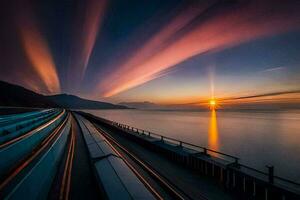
pixel 39 55
pixel 91 26
pixel 239 24
pixel 275 100
pixel 87 23
pixel 158 41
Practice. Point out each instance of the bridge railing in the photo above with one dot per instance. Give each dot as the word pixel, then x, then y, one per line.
pixel 207 151
pixel 180 143
pixel 267 175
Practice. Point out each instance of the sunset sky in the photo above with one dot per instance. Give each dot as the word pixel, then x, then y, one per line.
pixel 167 52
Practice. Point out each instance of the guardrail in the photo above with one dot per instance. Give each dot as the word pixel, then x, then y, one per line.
pixel 176 141
pixel 268 175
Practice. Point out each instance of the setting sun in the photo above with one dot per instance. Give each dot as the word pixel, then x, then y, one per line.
pixel 212 103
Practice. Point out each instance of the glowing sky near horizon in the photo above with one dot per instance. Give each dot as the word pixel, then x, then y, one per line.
pixel 171 51
pixel 38 53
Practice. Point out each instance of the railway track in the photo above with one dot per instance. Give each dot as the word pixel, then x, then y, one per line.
pixel 14 140
pixel 173 191
pixel 66 179
pixel 15 173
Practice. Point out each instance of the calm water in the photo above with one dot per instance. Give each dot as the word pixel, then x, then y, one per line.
pixel 258 138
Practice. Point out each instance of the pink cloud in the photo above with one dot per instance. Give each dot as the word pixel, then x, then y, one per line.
pixel 38 54
pixel 224 29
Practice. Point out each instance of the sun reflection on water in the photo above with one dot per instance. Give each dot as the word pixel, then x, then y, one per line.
pixel 213 135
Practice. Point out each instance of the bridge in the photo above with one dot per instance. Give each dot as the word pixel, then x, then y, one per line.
pixel 62 154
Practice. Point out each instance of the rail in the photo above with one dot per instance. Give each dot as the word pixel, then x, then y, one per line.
pixel 20 166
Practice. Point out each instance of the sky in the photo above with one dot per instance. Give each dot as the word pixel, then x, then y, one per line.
pixel 166 52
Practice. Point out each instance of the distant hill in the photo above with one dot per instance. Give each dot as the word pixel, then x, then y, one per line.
pixel 16 96
pixel 74 102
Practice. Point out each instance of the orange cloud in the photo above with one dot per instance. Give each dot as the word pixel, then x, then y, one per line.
pixel 159 41
pixel 284 99
pixel 38 54
pixel 40 58
pixel 275 99
pixel 223 29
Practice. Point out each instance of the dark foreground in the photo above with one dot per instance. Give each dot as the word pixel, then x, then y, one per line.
pixel 57 154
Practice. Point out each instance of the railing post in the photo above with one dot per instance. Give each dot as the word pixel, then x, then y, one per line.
pixel 180 143
pixel 205 151
pixel 162 138
pixel 236 161
pixel 271 173
pixel 254 188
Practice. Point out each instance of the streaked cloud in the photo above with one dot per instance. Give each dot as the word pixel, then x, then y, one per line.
pixel 38 53
pixel 217 31
pixel 275 100
pixel 264 95
pixel 89 18
pixel 282 99
pixel 273 69
pixel 156 43
pixel 89 49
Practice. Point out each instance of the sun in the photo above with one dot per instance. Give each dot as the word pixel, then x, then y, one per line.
pixel 212 103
